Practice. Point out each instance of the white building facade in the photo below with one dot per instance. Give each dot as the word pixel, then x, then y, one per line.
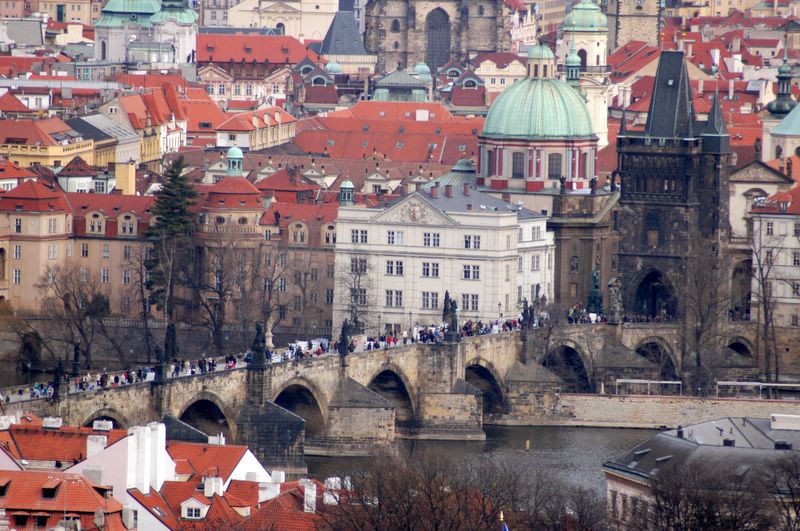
pixel 447 239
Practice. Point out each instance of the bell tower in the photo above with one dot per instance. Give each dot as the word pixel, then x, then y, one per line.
pixel 630 20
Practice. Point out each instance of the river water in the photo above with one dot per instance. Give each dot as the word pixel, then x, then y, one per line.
pixel 574 455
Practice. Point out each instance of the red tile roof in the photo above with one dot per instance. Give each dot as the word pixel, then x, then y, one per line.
pixel 500 59
pixel 232 193
pixel 321 94
pixel 66 444
pixel 33 196
pixel 207 459
pixel 73 493
pixel 285 181
pixel 28 131
pixel 9 170
pixel 78 167
pixel 259 119
pixel 10 103
pixel 292 212
pixel 249 48
pixel 157 506
pixel 153 80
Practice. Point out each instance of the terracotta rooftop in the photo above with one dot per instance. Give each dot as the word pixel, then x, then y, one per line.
pixel 208 459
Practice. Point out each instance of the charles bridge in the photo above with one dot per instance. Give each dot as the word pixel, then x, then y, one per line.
pixel 369 399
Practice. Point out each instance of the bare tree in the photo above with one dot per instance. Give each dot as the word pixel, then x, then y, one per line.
pixel 356 280
pixel 766 248
pixel 783 482
pixel 135 261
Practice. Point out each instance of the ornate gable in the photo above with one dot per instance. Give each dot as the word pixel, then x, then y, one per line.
pixel 213 73
pixel 278 7
pixel 414 210
pixel 759 173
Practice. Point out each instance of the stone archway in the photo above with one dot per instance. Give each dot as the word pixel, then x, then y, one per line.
pixel 208 413
pixel 567 363
pixel 741 346
pixel 302 398
pixel 658 352
pixel 654 296
pixel 437 39
pixel 392 384
pixel 107 413
pixel 482 374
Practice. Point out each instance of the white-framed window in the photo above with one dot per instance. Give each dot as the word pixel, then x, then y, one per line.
pixel 430 269
pixel 472 241
pixel 536 262
pixel 519 263
pixel 469 302
pixel 52 225
pixel 394 297
pixel 84 274
pixel 282 285
pixel 358 265
pixel 126 276
pixel 394 237
pixel 770 228
pixel 430 239
pixel 105 275
pixel 329 296
pixel 85 250
pixel 126 252
pixel 430 300
pixel 52 251
pixel 536 233
pixel 394 267
pixel 193 512
pixel 358 296
pixel 17 252
pixel 106 250
pixel 472 272
pixel 358 236
pixel 17 276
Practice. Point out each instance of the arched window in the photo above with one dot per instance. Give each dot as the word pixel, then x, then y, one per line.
pixel 554 166
pixel 318 82
pixel 220 220
pixel 103 50
pixel 242 221
pixel 582 55
pixel 518 165
pixel 544 70
pixel 585 165
pixel 437 30
pixel 778 152
pixel 470 84
pixel 535 70
pixel 395 26
pixel 396 45
pixel 280 29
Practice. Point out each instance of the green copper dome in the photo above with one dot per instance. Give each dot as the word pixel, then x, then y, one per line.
pixel 235 152
pixel 132 6
pixel 585 16
pixel 540 51
pixel 539 108
pixel 333 68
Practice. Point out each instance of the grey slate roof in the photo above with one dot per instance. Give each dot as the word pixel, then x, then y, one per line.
pixel 108 126
pixel 87 130
pixel 350 393
pixel 399 79
pixel 343 37
pixel 177 430
pixel 671 114
pixel 25 32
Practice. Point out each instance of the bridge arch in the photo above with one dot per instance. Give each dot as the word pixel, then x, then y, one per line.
pixel 570 363
pixel 107 413
pixel 652 294
pixel 482 374
pixel 658 351
pixel 741 346
pixel 391 382
pixel 303 398
pixel 208 413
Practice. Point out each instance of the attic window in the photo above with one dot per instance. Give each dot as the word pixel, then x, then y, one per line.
pixel 242 221
pixel 49 489
pixel 399 145
pixel 220 220
pixel 382 113
pixel 330 141
pixel 205 125
pixel 365 127
pixel 670 82
pixel 365 143
pixel 407 115
pixel 438 130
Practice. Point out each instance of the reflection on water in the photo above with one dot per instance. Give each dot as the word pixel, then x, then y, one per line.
pixel 572 454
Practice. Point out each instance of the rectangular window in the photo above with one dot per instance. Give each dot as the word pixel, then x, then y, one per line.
pixel 125 306
pixel 508 272
pixel 394 237
pixel 69 249
pixel 329 296
pixel 394 267
pixel 363 236
pixel 358 296
pixel 314 273
pixel 430 300
pixel 329 270
pixel 473 299
pixel 85 250
pixel 126 276
pixel 52 225
pixel 472 272
pixel 795 320
pixel 358 265
pixel 519 294
pixel 398 298
pixel 796 289
pixel 52 251
pixel 797 230
pixel 126 252
pixel 535 262
pixel 536 233
pixel 84 274
pixel 105 275
pixel 796 258
pixel 389 297
pixel 770 228
pixel 297 303
pixel 282 285
pixel 106 250
pixel 17 252
pixel 18 225
pixel 519 263
pixel 430 239
pixel 17 276
pixel 472 241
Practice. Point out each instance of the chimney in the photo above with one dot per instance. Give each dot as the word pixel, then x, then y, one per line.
pixel 159 460
pixel 467 189
pixel 278 476
pixel 125 176
pixel 309 495
pixel 212 485
pixel 143 455
pixel 689 49
pixel 435 191
pixel 730 90
pixel 95 444
pixel 268 491
pixel 218 440
pixel 448 190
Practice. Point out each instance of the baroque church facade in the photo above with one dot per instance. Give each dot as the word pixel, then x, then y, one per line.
pixel 403 33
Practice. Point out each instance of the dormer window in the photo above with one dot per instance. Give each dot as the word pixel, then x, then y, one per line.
pixel 49 489
pixel 127 225
pixel 193 513
pixel 4 483
pixel 95 224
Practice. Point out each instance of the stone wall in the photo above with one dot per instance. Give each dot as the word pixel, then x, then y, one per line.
pixel 554 409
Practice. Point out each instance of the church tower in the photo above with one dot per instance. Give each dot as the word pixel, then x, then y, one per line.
pixel 777 134
pixel 674 199
pixel 633 20
pixel 585 29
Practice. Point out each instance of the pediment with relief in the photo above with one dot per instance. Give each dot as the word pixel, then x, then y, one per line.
pixel 278 7
pixel 414 211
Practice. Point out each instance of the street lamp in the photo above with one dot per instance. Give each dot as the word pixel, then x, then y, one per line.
pixel 409 321
pixel 379 326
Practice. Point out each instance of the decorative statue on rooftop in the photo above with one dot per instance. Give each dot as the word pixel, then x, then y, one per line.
pixel 757 148
pixel 593 184
pixel 563 181
pixel 595 297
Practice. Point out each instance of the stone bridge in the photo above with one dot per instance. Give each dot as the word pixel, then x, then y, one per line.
pixel 330 405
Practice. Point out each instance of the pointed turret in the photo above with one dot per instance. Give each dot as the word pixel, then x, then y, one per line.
pixel 671 114
pixel 715 135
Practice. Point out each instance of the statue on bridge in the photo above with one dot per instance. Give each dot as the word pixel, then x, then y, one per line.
pixel 58 379
pixel 615 301
pixel 450 318
pixel 258 349
pixel 344 339
pixel 76 359
pixel 161 365
pixel 170 343
pixel 595 305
